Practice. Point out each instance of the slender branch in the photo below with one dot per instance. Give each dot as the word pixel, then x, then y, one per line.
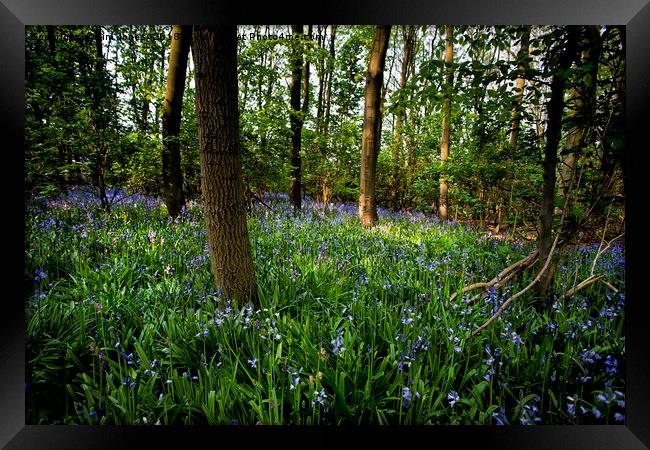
pixel 539 275
pixel 610 286
pixel 583 284
pixel 592 278
pixel 257 197
pixel 523 291
pixel 527 261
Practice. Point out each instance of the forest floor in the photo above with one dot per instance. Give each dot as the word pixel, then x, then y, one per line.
pixel 354 326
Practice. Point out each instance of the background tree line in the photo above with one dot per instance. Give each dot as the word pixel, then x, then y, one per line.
pixel 515 127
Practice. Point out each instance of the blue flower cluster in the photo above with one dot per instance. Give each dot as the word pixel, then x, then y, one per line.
pixel 337 342
pixel 320 397
pixel 529 411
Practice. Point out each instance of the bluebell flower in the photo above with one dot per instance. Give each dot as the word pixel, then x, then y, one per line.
pixel 490 359
pixel 611 364
pixel 619 417
pixel 516 340
pixel 596 412
pixel 588 356
pixel 320 398
pixel 500 416
pixel 337 342
pixel 456 341
pixel 39 275
pixel 406 395
pixel 253 362
pixel 453 397
pixel 571 409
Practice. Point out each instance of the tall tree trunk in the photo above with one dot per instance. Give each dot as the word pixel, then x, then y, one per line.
pixel 613 137
pixel 408 39
pixel 325 69
pixel 446 122
pixel 583 105
pixel 322 79
pixel 296 120
pixel 171 119
pixel 306 81
pixel 305 87
pixel 161 77
pixel 328 91
pixel 415 112
pixel 263 128
pixel 555 108
pixel 144 117
pixel 217 113
pixel 100 120
pixel 513 139
pixel 371 125
pixel 63 149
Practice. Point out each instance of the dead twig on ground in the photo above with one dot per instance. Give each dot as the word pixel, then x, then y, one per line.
pixel 504 276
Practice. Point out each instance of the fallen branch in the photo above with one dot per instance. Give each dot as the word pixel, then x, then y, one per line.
pixel 610 286
pixel 592 278
pixel 583 284
pixel 505 275
pixel 539 275
pixel 524 290
pixel 262 202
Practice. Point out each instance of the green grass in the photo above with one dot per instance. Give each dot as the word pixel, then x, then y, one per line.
pixel 353 328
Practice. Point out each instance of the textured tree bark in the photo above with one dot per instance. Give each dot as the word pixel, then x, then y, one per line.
pixel 555 108
pixel 171 119
pixel 224 210
pixel 295 119
pixel 396 189
pixel 371 125
pixel 446 122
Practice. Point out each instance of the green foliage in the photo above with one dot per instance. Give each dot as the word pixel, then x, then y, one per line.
pixel 85 124
pixel 77 130
pixel 124 325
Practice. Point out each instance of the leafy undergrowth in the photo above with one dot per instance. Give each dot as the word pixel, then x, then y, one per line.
pixel 124 325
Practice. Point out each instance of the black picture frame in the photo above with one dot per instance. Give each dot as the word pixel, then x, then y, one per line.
pixel 634 14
